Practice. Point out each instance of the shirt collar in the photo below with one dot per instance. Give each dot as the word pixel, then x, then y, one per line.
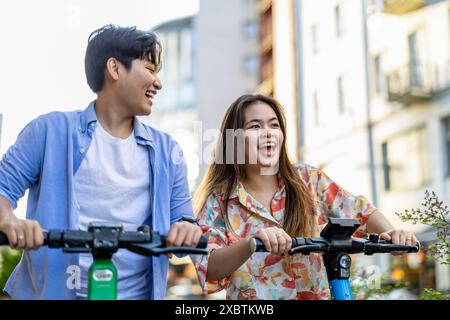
pixel 238 186
pixel 89 119
pixel 247 201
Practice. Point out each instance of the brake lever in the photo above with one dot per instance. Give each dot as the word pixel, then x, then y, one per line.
pixel 154 249
pixel 187 250
pixel 76 250
pixel 318 248
pixel 144 249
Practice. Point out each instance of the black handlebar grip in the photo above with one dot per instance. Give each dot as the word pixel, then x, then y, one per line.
pixel 203 242
pixel 3 239
pixel 5 242
pixel 400 247
pixel 404 248
pixel 260 247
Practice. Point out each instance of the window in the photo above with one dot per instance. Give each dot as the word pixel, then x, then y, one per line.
pixel 251 29
pixel 316 108
pixel 386 167
pixel 171 63
pixel 251 64
pixel 185 55
pixel 1 121
pixel 379 77
pixel 374 6
pixel 446 131
pixel 342 94
pixel 177 73
pixel 405 163
pixel 314 40
pixel 338 20
pixel 416 77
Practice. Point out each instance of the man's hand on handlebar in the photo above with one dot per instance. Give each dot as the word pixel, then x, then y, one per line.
pixel 22 234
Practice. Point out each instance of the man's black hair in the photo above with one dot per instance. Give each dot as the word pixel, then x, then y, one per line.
pixel 122 43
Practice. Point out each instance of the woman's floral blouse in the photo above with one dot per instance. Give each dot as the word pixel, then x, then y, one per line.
pixel 266 276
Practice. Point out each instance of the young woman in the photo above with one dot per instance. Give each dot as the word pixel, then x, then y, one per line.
pixel 251 189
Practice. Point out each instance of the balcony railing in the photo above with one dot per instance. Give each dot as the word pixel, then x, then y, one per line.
pixel 417 82
pixel 402 6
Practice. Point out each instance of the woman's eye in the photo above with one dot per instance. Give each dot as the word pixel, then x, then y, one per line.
pixel 255 126
pixel 275 125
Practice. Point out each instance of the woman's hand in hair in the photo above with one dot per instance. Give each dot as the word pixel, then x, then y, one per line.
pixel 275 239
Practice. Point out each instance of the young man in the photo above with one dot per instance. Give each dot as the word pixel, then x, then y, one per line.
pixel 100 164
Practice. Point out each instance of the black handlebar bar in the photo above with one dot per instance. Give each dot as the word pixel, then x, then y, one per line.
pixel 3 239
pixel 350 246
pixel 109 239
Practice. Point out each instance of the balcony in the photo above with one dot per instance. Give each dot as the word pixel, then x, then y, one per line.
pixel 417 82
pixel 402 6
pixel 266 87
pixel 267 69
pixel 266 45
pixel 264 6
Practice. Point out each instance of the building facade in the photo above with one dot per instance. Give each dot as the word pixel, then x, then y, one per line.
pixel 375 103
pixel 228 63
pixel 1 123
pixel 278 63
pixel 174 108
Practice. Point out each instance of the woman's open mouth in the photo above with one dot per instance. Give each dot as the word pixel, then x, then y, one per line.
pixel 268 148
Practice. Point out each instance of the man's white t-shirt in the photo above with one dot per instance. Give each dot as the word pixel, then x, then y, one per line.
pixel 113 185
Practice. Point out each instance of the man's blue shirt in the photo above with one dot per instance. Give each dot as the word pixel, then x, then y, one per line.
pixel 44 159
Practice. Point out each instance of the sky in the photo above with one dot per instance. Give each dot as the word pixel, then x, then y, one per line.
pixel 42 46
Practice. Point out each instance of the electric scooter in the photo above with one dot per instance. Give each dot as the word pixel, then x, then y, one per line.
pixel 336 244
pixel 103 240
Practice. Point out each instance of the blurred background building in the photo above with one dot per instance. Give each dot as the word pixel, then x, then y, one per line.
pixel 365 86
pixel 228 62
pixel 208 61
pixel 364 83
pixel 176 111
pixel 1 122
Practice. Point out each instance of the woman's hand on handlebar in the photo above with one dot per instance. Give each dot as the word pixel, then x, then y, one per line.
pixel 275 239
pixel 22 234
pixel 401 237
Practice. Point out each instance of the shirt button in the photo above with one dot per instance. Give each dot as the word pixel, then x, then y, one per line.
pixel 82 150
pixel 79 128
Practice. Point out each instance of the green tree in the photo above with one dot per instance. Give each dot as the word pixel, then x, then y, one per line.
pixel 8 261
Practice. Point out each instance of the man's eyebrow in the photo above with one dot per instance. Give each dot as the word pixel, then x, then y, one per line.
pixel 149 64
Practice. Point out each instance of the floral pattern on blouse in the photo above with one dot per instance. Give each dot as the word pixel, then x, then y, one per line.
pixel 263 275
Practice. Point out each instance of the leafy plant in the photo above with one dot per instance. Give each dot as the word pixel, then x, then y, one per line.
pixel 8 261
pixel 434 213
pixel 430 294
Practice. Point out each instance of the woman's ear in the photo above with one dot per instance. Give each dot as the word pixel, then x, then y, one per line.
pixel 112 69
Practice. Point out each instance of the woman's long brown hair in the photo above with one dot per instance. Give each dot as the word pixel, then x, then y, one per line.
pixel 298 214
